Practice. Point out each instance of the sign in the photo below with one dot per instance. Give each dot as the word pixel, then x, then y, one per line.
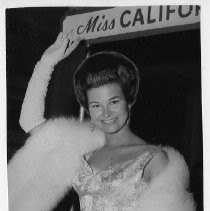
pixel 121 20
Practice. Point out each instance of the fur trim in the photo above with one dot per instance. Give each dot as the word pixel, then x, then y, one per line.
pixel 168 191
pixel 40 173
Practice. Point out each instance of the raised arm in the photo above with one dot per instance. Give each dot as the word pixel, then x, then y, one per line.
pixel 33 107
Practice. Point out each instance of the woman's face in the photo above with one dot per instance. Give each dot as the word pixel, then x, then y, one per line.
pixel 108 108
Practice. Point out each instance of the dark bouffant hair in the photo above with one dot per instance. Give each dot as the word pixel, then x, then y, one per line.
pixel 106 68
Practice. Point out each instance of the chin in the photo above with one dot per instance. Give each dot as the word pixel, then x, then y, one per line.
pixel 112 129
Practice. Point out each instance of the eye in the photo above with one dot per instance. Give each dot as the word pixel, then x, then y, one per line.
pixel 95 106
pixel 114 102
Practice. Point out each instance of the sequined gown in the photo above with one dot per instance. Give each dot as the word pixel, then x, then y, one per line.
pixel 116 189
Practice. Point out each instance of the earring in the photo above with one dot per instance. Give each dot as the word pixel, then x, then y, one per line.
pixel 128 121
pixel 92 126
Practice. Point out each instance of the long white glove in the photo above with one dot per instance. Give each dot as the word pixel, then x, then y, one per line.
pixel 32 112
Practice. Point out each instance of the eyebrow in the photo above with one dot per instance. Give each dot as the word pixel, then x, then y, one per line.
pixel 115 97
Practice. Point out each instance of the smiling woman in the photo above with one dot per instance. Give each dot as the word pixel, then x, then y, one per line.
pixel 106 85
pixel 107 107
pixel 109 166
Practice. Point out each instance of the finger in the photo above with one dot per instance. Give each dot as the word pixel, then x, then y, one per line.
pixel 76 41
pixel 70 33
pixel 72 46
pixel 64 44
pixel 59 37
pixel 74 36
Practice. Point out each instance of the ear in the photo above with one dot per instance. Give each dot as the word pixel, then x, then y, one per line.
pixel 129 107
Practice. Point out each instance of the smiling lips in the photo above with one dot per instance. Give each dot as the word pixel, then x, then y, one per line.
pixel 109 121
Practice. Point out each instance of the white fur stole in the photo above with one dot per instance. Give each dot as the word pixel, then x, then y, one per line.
pixel 168 191
pixel 40 173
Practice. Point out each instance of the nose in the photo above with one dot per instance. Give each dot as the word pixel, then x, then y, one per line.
pixel 107 111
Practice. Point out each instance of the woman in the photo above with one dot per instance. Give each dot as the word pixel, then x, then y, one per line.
pixel 108 165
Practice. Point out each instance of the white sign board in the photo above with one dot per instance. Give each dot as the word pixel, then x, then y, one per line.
pixel 121 20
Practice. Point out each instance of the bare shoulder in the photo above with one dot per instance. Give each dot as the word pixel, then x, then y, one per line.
pixel 157 164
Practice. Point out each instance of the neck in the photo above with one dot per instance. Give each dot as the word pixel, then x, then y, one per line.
pixel 121 138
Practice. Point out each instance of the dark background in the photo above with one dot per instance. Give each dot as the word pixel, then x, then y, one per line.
pixel 168 109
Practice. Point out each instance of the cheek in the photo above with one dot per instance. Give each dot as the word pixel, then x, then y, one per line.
pixel 94 114
pixel 124 109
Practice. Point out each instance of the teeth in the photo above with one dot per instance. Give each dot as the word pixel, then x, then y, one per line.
pixel 108 121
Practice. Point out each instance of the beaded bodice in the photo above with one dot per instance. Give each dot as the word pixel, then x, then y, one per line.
pixel 117 188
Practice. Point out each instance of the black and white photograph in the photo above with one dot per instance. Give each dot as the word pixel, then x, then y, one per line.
pixel 104 108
